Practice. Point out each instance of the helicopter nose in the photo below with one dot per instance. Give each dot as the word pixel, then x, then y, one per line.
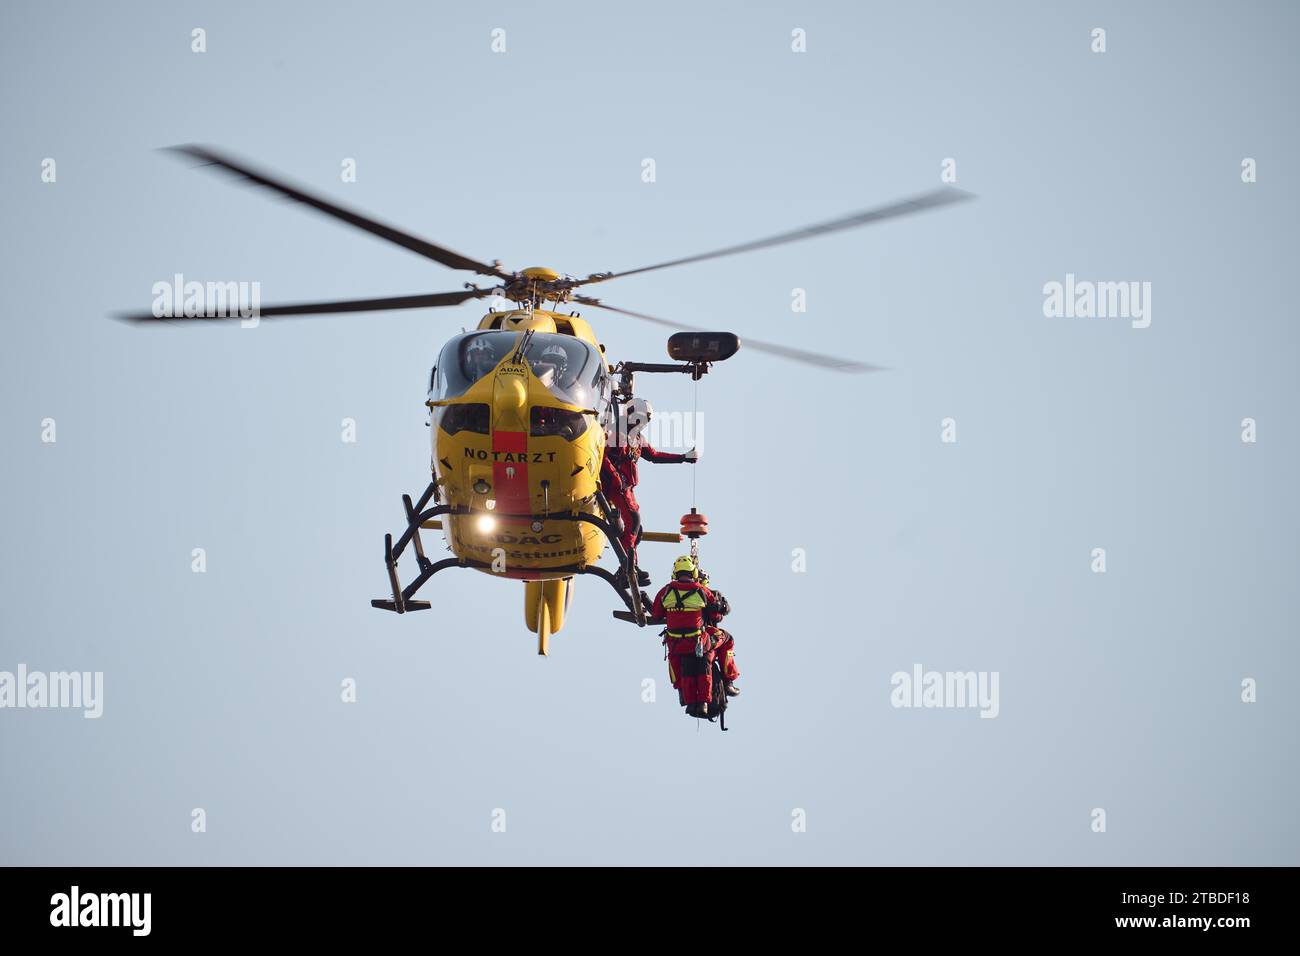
pixel 510 404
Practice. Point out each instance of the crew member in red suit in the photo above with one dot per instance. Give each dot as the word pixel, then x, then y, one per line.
pixel 686 606
pixel 618 476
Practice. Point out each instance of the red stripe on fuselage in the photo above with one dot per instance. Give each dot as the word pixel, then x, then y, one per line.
pixel 510 478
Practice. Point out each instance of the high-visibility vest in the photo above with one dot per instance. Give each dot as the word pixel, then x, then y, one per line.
pixel 685 601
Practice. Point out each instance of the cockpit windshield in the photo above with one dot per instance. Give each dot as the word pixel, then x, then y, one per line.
pixel 571 368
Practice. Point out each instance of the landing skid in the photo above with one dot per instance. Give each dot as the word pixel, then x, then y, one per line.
pixel 418 517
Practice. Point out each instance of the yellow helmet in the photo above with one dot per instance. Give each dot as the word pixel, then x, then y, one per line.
pixel 684 563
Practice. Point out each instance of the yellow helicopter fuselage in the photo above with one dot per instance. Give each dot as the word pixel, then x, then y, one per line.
pixel 521 443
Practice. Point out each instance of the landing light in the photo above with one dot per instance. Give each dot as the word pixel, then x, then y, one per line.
pixel 487 524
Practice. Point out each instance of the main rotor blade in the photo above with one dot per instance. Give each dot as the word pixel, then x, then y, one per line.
pixel 425 248
pixel 830 362
pixel 903 207
pixel 325 308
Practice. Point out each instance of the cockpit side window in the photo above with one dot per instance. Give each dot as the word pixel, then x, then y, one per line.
pixel 481 354
pixel 467 417
pixel 467 358
pixel 566 365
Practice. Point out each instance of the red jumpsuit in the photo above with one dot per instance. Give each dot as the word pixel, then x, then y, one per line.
pixel 724 646
pixel 618 479
pixel 687 606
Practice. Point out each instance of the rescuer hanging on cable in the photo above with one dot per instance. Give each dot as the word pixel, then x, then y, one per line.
pixel 692 638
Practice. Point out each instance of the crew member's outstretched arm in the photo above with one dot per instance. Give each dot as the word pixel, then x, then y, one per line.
pixel 667 458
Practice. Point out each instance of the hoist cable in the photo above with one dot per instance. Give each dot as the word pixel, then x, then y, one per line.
pixel 695 431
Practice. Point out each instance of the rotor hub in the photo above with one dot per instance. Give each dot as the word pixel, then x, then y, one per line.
pixel 537 285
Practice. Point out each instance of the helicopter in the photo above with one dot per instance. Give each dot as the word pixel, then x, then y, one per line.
pixel 521 409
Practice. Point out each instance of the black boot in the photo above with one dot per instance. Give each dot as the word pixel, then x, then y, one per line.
pixel 642 578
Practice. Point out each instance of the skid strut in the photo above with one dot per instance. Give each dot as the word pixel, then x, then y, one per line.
pixel 418 516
